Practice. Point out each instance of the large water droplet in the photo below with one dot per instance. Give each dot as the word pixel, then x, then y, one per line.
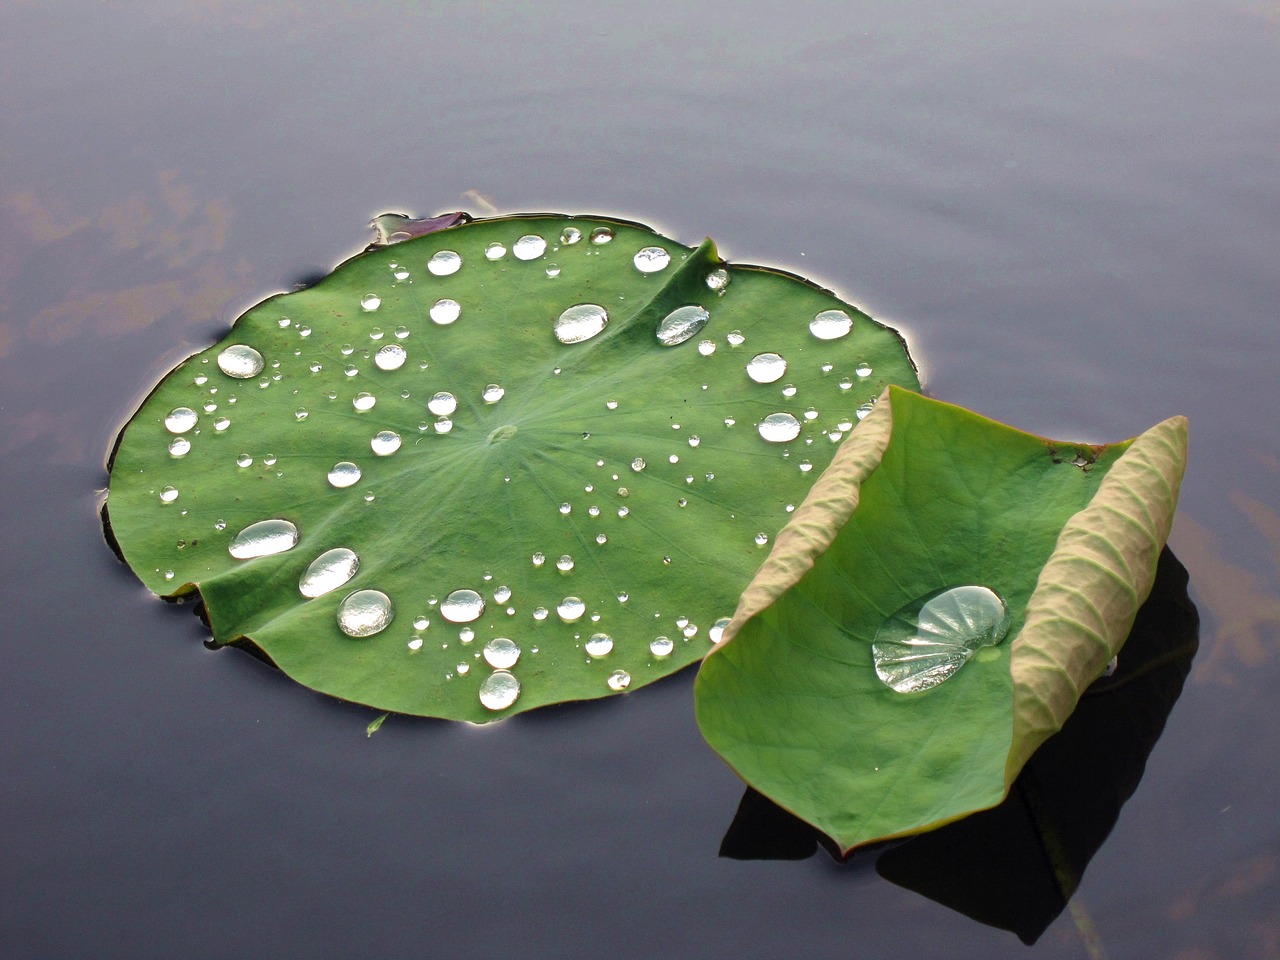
pixel 370 301
pixel 779 427
pixel 329 571
pixel 928 640
pixel 364 613
pixel 262 539
pixel 444 263
pixel 385 443
pixel 529 247
pixel 390 357
pixel 445 311
pixel 619 680
pixel 570 609
pixel 598 645
pixel 766 367
pixel 462 606
pixel 442 404
pixel 180 419
pixel 343 474
pixel 830 325
pixel 651 259
pixel 499 690
pixel 661 646
pixel 580 322
pixel 601 235
pixel 681 324
pixel 501 653
pixel 240 361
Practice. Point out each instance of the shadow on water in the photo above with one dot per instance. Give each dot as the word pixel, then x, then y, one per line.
pixel 1017 865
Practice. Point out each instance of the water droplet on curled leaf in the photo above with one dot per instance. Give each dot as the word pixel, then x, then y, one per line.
pixel 501 653
pixel 830 324
pixel 329 571
pixel 462 606
pixel 580 322
pixel 364 613
pixel 240 361
pixel 717 630
pixel 343 474
pixel 925 642
pixel 445 311
pixel 180 419
pixel 499 690
pixel 766 368
pixel 681 324
pixel 263 539
pixel 444 263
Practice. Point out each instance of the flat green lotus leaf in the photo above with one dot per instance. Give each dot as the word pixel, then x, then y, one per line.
pixel 925 496
pixel 605 498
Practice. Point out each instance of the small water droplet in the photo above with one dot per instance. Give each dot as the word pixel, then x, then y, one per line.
pixel 864 409
pixel 343 474
pixel 570 235
pixel 779 427
pixel 240 361
pixel 553 270
pixel 209 407
pixel 717 630
pixel 492 393
pixel 390 357
pixel 315 366
pixel 566 508
pixel 926 641
pixel 766 367
pixel 706 347
pixel 375 334
pixel 610 405
pixel 168 494
pixel 329 571
pixel 499 690
pixel 681 324
pixel 421 623
pixel 364 402
pixel 735 338
pixel 169 574
pixel 811 414
pixel 364 613
pixel 244 460
pixel 385 443
pixel 761 539
pixel 805 466
pixel 863 370
pixel 351 370
pixel 661 646
pixel 830 324
pixel 729 421
pixel 442 425
pixel 689 631
pixel 179 447
pixel 845 425
pixel 638 464
pixel 495 251
pixel 445 311
pixel 570 609
pixel 200 379
pixel 399 271
pixel 1111 667
pixel 300 414
pixel 601 539
pixel 442 404
pixel 789 390
pixel 529 247
pixel 539 613
pixel 466 634
pixel 414 644
pixel 598 645
pixel 601 235
pixel 673 459
pixel 263 539
pixel 651 259
pixel 501 653
pixel 444 263
pixel 221 424
pixel 370 302
pixel 538 559
pixel 180 419
pixel 581 322
pixel 565 563
pixel 619 680
pixel 220 525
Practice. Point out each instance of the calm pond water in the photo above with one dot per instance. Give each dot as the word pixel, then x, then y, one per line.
pixel 1072 211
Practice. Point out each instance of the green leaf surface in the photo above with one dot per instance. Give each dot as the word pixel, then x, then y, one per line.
pixel 642 464
pixel 923 496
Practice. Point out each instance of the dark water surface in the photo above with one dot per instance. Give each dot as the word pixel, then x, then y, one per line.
pixel 1072 210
